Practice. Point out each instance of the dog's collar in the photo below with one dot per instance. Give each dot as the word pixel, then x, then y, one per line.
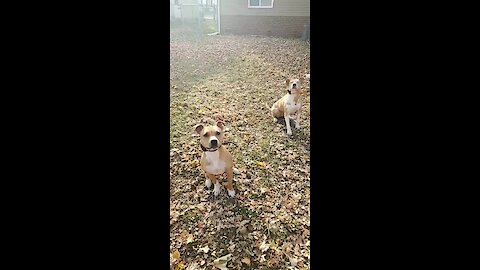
pixel 206 150
pixel 289 90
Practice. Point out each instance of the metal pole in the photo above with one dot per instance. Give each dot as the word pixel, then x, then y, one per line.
pixel 218 17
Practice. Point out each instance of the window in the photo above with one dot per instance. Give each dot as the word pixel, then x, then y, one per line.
pixel 260 3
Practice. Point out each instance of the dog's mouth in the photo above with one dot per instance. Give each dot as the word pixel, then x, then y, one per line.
pixel 295 89
pixel 209 149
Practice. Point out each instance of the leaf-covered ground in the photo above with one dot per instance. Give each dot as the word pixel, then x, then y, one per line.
pixel 234 78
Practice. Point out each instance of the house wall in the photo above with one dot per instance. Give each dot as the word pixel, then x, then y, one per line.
pixel 189 2
pixel 281 26
pixel 190 12
pixel 286 19
pixel 280 8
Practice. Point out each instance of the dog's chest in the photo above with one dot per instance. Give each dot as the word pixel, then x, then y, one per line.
pixel 215 164
pixel 291 105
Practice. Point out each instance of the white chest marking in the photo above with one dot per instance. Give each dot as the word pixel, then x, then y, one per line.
pixel 215 166
pixel 292 106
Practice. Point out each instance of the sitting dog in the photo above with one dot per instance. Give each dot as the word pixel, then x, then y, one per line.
pixel 289 104
pixel 215 158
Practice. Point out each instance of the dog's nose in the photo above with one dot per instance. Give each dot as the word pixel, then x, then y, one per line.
pixel 214 143
pixel 294 85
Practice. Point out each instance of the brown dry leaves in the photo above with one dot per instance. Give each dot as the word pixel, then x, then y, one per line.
pixel 235 79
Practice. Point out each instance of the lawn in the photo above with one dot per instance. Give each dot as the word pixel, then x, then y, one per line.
pixel 236 79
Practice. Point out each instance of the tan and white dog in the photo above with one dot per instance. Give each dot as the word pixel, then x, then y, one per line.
pixel 289 104
pixel 215 158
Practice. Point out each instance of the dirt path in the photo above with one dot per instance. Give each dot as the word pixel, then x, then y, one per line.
pixel 232 78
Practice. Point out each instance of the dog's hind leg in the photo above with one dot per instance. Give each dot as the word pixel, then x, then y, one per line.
pixel 275 119
pixel 274 113
pixel 230 189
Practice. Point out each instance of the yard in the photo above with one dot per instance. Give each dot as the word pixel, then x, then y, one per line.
pixel 236 79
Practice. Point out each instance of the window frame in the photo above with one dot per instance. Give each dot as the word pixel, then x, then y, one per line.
pixel 259 6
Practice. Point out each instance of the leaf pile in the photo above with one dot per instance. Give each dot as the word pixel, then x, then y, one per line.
pixel 236 79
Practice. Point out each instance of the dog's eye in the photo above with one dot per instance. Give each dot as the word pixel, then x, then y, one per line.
pixel 205 135
pixel 218 133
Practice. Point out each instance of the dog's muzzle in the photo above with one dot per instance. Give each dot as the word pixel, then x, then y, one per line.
pixel 211 149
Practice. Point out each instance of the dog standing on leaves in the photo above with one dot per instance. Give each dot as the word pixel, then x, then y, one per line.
pixel 215 158
pixel 289 104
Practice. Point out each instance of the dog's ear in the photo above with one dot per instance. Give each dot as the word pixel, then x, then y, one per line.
pixel 302 80
pixel 287 81
pixel 220 125
pixel 199 128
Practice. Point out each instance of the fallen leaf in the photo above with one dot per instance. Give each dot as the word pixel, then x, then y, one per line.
pixel 242 230
pixel 297 196
pixel 193 266
pixel 221 263
pixel 260 163
pixel 244 222
pixel 189 238
pixel 293 261
pixel 246 260
pixel 264 246
pixel 180 265
pixel 290 205
pixel 183 235
pixel 205 249
pixel 176 255
pixel 195 163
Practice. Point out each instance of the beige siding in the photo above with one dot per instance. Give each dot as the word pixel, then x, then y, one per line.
pixel 280 8
pixel 280 26
pixel 188 2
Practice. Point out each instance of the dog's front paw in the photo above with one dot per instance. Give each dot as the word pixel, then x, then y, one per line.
pixel 231 193
pixel 289 132
pixel 216 188
pixel 208 183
